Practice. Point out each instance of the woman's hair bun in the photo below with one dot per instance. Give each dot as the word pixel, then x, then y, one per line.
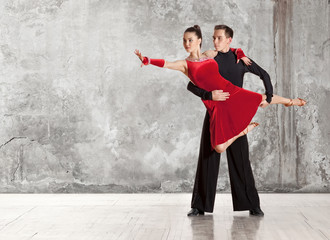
pixel 197 27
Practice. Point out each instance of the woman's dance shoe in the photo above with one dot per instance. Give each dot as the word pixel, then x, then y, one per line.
pixel 302 102
pixel 289 104
pixel 246 130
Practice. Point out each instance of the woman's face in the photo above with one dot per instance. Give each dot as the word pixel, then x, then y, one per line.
pixel 191 42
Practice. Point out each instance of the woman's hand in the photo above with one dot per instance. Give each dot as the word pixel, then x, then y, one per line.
pixel 138 53
pixel 246 60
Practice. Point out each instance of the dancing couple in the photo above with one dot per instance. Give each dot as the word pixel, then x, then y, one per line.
pixel 217 77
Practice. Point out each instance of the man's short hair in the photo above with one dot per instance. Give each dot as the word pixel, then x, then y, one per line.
pixel 228 31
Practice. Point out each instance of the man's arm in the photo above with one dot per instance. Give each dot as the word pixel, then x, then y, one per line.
pixel 215 95
pixel 264 76
pixel 205 95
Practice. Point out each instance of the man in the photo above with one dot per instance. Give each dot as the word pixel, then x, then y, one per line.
pixel 244 193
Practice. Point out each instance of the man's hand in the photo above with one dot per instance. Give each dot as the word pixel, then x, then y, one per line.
pixel 219 95
pixel 264 104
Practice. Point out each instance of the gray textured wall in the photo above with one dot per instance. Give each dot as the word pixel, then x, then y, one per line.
pixel 78 114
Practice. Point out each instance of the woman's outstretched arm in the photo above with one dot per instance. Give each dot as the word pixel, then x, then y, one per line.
pixel 179 65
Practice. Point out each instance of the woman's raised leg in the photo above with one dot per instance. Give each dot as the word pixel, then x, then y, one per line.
pixel 286 101
pixel 223 146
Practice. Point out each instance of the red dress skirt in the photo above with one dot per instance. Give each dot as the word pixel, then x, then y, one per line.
pixel 227 118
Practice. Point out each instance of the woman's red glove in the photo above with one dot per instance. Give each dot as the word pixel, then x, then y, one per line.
pixel 239 52
pixel 156 62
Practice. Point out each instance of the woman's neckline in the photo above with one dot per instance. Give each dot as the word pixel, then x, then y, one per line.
pixel 204 58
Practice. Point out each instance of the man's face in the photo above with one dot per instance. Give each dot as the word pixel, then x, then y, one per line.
pixel 220 41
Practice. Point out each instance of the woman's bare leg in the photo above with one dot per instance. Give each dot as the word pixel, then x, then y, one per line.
pixel 222 147
pixel 275 100
pixel 285 101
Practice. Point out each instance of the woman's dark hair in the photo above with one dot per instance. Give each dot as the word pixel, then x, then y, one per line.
pixel 197 30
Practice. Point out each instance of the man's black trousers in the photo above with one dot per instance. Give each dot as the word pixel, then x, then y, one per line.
pixel 244 193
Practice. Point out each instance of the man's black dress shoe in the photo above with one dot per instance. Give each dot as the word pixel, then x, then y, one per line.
pixel 195 212
pixel 257 212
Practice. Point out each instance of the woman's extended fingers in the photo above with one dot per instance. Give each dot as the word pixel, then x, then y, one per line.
pixel 138 53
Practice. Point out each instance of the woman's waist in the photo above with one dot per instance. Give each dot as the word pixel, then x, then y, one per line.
pixel 226 87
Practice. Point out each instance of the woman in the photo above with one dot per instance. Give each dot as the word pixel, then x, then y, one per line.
pixel 229 119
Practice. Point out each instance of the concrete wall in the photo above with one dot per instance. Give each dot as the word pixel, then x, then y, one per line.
pixel 78 114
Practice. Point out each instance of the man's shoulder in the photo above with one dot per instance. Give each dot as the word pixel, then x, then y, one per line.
pixel 227 57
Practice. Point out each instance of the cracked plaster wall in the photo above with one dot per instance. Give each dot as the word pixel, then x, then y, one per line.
pixel 78 114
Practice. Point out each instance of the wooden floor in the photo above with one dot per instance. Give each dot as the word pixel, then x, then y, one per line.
pixel 159 216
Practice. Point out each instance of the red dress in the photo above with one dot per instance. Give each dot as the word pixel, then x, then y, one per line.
pixel 227 118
